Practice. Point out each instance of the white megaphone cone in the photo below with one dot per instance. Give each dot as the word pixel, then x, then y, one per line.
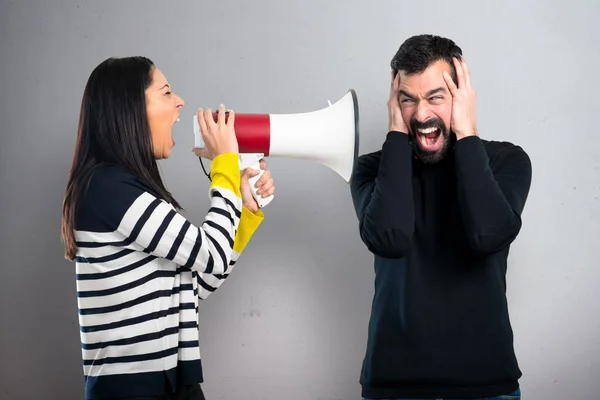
pixel 329 136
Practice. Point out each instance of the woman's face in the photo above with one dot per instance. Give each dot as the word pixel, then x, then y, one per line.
pixel 162 107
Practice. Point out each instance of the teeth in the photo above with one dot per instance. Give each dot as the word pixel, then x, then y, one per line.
pixel 427 130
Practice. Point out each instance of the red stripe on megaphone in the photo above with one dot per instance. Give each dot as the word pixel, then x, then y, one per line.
pixel 253 132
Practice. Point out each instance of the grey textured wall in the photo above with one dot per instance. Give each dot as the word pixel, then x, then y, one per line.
pixel 292 320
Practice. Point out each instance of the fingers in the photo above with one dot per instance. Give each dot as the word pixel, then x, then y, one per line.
pixel 463 77
pixel 202 152
pixel 249 173
pixel 396 84
pixel 265 184
pixel 267 189
pixel 263 179
pixel 221 115
pixel 450 83
pixel 230 118
pixel 393 100
pixel 263 164
pixel 466 73
pixel 208 118
pixel 202 122
pixel 460 75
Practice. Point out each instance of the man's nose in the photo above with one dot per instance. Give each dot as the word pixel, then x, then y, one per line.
pixel 423 113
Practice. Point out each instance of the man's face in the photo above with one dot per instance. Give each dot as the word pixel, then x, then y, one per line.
pixel 426 105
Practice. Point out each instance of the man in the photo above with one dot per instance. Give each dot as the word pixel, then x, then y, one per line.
pixel 439 207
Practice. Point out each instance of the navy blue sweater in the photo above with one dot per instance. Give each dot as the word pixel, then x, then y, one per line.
pixel 440 235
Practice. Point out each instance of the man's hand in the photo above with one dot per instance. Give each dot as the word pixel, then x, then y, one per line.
pixel 463 101
pixel 264 184
pixel 396 122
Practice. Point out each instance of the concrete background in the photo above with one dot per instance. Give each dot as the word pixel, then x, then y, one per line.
pixel 292 320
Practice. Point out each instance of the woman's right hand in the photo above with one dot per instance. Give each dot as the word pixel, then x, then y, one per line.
pixel 219 137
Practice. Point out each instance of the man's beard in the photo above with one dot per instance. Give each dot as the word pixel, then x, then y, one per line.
pixel 429 156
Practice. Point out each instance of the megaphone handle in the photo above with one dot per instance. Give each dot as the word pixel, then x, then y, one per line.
pixel 261 201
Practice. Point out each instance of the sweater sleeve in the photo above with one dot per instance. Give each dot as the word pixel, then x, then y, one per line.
pixel 383 197
pixel 147 223
pixel 491 200
pixel 249 222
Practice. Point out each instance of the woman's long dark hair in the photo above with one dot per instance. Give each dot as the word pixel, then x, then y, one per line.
pixel 113 129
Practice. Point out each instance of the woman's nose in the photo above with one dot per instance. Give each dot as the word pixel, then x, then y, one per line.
pixel 180 103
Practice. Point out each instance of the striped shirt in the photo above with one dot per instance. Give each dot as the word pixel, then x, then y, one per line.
pixel 141 269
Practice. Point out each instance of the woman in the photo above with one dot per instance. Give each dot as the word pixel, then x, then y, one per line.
pixel 141 266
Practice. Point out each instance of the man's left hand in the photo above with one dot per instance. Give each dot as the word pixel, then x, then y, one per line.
pixel 463 101
pixel 264 184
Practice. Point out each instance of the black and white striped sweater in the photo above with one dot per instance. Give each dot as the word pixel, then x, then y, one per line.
pixel 141 268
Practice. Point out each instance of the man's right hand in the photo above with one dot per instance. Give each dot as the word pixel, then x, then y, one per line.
pixel 396 122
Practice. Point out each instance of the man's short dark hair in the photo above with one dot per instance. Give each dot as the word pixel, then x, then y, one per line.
pixel 420 51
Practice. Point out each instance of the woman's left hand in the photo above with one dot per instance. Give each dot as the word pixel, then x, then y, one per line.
pixel 264 184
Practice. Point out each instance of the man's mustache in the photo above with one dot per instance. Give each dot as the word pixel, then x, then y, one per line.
pixel 432 123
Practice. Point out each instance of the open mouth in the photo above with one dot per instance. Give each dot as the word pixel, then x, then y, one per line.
pixel 429 137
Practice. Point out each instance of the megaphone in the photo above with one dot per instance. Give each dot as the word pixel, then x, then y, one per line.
pixel 329 136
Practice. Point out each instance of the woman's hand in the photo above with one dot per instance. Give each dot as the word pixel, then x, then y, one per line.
pixel 264 184
pixel 219 137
